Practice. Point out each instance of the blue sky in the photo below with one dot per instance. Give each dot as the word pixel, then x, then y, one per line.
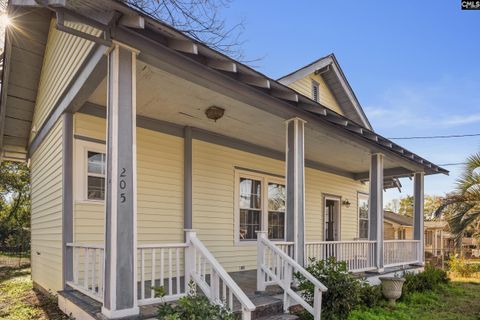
pixel 414 65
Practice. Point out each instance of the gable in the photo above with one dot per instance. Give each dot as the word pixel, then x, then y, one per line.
pixel 337 93
pixel 305 86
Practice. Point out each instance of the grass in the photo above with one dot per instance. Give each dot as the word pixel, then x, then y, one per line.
pixel 457 300
pixel 18 300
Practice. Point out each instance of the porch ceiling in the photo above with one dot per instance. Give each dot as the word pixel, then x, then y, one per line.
pixel 166 97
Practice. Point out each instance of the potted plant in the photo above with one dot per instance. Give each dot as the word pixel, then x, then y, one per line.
pixel 392 288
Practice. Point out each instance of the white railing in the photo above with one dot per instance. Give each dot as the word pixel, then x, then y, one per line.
pixel 212 279
pixel 88 269
pixel 285 246
pixel 401 252
pixel 275 267
pixel 358 255
pixel 160 265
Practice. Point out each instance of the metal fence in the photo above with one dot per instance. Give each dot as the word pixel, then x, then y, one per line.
pixel 14 257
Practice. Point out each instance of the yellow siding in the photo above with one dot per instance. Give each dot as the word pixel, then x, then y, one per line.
pixel 304 86
pixel 160 194
pixel 318 184
pixel 389 231
pixel 160 187
pixel 64 55
pixel 46 182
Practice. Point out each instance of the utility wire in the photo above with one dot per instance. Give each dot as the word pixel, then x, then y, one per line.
pixel 452 164
pixel 438 137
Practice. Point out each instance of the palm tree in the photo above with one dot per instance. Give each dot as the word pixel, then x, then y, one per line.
pixel 462 207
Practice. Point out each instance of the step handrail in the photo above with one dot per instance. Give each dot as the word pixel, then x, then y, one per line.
pixel 285 268
pixel 217 270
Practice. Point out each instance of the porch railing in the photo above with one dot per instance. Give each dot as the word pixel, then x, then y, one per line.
pixel 274 266
pixel 358 255
pixel 88 269
pixel 401 252
pixel 286 246
pixel 213 280
pixel 160 265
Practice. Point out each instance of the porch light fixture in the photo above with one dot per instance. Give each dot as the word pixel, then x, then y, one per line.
pixel 214 113
pixel 346 203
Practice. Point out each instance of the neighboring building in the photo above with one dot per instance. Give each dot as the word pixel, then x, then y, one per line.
pixel 136 134
pixel 397 226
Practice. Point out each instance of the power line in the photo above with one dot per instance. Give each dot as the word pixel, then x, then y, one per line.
pixel 438 137
pixel 452 164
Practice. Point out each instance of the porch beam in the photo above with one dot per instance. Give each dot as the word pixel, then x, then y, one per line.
pixel 120 294
pixel 387 173
pixel 295 179
pixel 418 202
pixel 376 207
pixel 86 80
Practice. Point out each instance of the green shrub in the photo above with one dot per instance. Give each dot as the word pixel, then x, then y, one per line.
pixel 191 307
pixel 370 296
pixel 462 268
pixel 344 294
pixel 429 279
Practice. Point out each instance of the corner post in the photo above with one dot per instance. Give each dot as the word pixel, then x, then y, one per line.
pixel 120 294
pixel 376 207
pixel 67 189
pixel 295 176
pixel 418 199
pixel 187 179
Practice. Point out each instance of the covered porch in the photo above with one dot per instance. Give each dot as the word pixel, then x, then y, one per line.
pixel 322 163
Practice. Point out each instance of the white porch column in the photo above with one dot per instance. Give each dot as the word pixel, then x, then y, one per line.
pixel 375 207
pixel 120 294
pixel 295 174
pixel 418 231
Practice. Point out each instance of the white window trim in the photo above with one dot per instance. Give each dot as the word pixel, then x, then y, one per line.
pixel 81 175
pixel 264 178
pixel 362 194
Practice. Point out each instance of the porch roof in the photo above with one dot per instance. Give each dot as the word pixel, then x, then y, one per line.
pixel 155 35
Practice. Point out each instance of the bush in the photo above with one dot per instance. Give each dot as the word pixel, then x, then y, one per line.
pixel 429 279
pixel 462 268
pixel 344 294
pixel 191 307
pixel 370 296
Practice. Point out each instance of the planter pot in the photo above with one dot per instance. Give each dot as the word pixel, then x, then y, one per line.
pixel 392 288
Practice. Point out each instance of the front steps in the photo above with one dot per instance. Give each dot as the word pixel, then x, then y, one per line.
pixel 269 304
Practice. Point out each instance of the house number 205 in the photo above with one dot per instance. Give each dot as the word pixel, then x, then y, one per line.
pixel 123 185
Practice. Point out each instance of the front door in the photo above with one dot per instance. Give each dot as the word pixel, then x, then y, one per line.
pixel 331 219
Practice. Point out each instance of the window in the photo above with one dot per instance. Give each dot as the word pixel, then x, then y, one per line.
pixel 261 206
pixel 402 234
pixel 95 175
pixel 363 216
pixel 250 208
pixel 276 211
pixel 429 238
pixel 315 91
pixel 90 169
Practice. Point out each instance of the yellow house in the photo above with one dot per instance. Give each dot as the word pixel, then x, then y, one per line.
pixel 156 160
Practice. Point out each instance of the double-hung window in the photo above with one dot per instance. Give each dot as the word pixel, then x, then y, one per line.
pixel 95 175
pixel 261 206
pixel 363 216
pixel 90 171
